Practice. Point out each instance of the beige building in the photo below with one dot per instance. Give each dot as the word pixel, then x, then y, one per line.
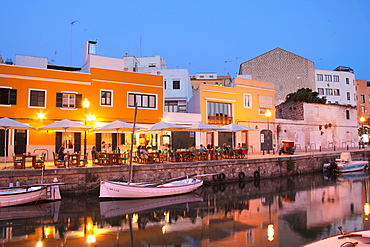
pixel 289 72
pixel 315 126
pixel 363 100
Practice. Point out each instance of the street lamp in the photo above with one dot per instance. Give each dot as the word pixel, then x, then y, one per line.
pixel 362 120
pixel 268 115
pixel 85 105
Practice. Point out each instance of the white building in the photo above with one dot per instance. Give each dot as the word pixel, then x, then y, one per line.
pixel 338 86
pixel 176 81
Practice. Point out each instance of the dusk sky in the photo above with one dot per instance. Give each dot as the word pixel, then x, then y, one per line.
pixel 202 36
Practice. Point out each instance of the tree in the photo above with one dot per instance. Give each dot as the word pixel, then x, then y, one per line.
pixel 305 95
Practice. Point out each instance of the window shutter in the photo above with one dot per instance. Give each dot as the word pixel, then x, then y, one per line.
pixel 78 100
pixel 59 99
pixel 13 96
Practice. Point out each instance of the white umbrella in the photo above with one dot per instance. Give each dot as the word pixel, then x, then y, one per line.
pixel 236 127
pixel 6 124
pixel 65 125
pixel 167 126
pixel 202 127
pixel 119 125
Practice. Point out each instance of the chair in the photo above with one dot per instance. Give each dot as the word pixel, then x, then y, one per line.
pixel 18 161
pixel 103 160
pixel 174 156
pixel 40 161
pixel 122 159
pixel 95 157
pixel 83 160
pixel 59 163
pixel 200 154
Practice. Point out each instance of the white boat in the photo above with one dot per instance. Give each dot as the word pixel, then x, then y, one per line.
pixel 112 189
pixel 346 164
pixel 348 239
pixel 11 196
pixel 121 207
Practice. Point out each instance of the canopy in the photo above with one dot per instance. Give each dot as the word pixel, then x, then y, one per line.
pixel 167 127
pixel 64 125
pixel 204 127
pixel 7 123
pixel 237 127
pixel 119 125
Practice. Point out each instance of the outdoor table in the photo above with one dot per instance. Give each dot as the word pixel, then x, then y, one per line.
pixel 27 156
pixel 73 159
pixel 158 156
pixel 113 158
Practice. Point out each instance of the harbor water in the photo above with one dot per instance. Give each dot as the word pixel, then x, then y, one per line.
pixel 289 211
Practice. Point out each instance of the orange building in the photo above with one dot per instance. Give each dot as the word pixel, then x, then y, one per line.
pixel 41 96
pixel 244 104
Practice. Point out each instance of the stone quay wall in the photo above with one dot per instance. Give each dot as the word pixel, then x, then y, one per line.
pixel 86 180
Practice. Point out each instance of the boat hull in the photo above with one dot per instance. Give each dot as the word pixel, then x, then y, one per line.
pixel 362 238
pixel 17 196
pixel 110 189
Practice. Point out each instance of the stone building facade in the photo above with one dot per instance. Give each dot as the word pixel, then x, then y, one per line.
pixel 315 126
pixel 289 72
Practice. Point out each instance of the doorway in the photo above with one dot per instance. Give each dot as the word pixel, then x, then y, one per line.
pixel 20 141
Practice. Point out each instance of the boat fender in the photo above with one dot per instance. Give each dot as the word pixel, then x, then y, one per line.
pixel 222 176
pixel 241 185
pixel 241 175
pixel 222 187
pixel 215 177
pixel 215 188
pixel 256 175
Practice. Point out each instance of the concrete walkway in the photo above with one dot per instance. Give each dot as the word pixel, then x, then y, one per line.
pixel 255 155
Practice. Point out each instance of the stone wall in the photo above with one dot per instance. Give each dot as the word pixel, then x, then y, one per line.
pixel 289 72
pixel 86 180
pixel 291 110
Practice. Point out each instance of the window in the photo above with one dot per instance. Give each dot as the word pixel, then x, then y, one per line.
pixel 348 96
pixel 219 113
pixel 106 98
pixel 211 76
pixel 201 76
pixel 171 106
pixel 336 78
pixel 247 101
pixel 328 78
pixel 152 64
pixel 8 96
pixel 363 109
pixel 69 100
pixel 369 98
pixel 328 91
pixel 142 100
pixel 347 80
pixel 336 92
pixel 320 77
pixel 347 114
pixel 362 98
pixel 37 98
pixel 175 84
pixel 320 91
pixel 165 85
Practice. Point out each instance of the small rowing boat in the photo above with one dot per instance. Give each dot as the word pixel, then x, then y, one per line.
pixel 177 186
pixel 11 196
pixel 344 239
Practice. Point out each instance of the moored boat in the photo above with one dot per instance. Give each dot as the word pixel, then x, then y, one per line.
pixel 11 196
pixel 112 189
pixel 346 164
pixel 344 239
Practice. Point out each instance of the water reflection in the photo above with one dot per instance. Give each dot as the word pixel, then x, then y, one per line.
pixel 279 212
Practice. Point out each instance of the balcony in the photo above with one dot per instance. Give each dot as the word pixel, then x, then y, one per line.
pixel 219 120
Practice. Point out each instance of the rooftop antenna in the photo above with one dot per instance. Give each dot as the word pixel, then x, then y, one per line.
pixel 70 57
pixel 236 64
pixel 140 47
pixel 225 66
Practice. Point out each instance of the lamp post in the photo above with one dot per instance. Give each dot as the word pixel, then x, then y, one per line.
pixel 362 120
pixel 85 105
pixel 268 115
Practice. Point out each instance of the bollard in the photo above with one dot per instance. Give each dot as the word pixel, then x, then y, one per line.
pixel 320 149
pixel 17 183
pixel 11 183
pixel 263 152
pixel 334 148
pixel 347 147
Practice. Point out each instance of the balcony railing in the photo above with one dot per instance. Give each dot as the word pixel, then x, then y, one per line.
pixel 219 120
